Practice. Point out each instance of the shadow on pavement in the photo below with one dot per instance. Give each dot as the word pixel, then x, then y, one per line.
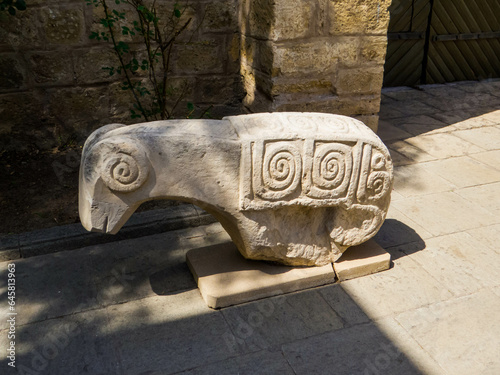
pixel 132 307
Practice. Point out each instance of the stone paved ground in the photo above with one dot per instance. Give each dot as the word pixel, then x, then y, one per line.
pixel 132 307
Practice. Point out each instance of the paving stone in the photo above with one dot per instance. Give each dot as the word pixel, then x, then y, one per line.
pixel 145 267
pixel 398 229
pixel 456 99
pixel 262 363
pixel 465 119
pixel 152 253
pixel 444 213
pixel 416 179
pixel 70 345
pixel 267 324
pixel 461 334
pixel 463 171
pixel 493 116
pixel 405 94
pixel 362 349
pixel 343 305
pixel 443 145
pixel 487 137
pixel 487 196
pixel 421 124
pixel 225 278
pixel 399 159
pixel 442 91
pixel 472 86
pixel 167 334
pixel 51 286
pixel 395 196
pixel 461 264
pixel 496 290
pixel 362 260
pixel 491 158
pixel 387 111
pixel 408 346
pixel 388 132
pixel 487 236
pixel 404 287
pixel 412 107
pixel 411 152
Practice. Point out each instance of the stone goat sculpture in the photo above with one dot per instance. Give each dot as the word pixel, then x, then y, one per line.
pixel 296 188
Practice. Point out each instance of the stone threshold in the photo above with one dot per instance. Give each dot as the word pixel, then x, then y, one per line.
pixel 74 236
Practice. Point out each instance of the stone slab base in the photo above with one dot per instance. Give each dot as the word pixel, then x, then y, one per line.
pixel 362 260
pixel 225 278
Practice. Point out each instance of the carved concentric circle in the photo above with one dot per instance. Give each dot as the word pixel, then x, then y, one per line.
pixel 281 169
pixel 331 169
pixel 124 168
pixel 378 185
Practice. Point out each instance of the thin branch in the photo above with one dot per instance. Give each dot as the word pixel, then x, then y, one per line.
pixel 121 59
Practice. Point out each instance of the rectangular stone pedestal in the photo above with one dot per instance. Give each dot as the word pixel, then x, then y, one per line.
pixel 362 260
pixel 225 278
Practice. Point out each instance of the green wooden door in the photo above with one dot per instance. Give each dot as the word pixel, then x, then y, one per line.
pixel 437 41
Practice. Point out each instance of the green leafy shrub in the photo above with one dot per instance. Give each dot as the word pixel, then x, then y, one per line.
pixel 155 98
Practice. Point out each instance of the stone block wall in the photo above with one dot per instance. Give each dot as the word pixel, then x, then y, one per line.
pixel 53 87
pixel 318 55
pixel 237 56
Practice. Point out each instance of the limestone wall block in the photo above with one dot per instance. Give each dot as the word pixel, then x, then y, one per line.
pixel 219 90
pixel 319 86
pixel 257 54
pixel 19 110
pixel 348 105
pixel 89 64
pixel 369 120
pixel 359 16
pixel 294 19
pixel 256 18
pixel 12 72
pixel 63 25
pixel 315 56
pixel 362 80
pixel 24 31
pixel 203 56
pixel 69 108
pixel 373 49
pixel 51 67
pixel 220 15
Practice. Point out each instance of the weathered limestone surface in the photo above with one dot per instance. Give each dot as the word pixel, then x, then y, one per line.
pixel 297 188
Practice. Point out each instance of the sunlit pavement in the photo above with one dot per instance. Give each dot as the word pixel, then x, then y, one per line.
pixel 132 307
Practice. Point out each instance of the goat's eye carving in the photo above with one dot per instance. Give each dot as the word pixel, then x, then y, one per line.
pixel 124 167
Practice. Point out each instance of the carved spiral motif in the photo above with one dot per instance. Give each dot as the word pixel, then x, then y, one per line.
pixel 124 168
pixel 281 170
pixel 331 170
pixel 378 161
pixel 377 185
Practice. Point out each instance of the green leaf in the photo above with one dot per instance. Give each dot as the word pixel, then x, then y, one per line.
pixel 190 106
pixel 12 11
pixel 177 13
